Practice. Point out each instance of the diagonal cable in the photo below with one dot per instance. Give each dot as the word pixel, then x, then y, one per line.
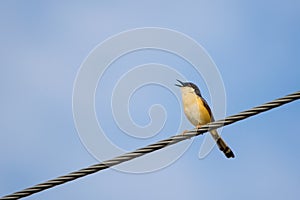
pixel 152 147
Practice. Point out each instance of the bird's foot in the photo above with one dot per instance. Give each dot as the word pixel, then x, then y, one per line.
pixel 184 132
pixel 198 127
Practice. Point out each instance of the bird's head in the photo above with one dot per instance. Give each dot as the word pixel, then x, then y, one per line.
pixel 188 87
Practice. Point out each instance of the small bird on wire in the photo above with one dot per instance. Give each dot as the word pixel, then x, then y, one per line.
pixel 199 113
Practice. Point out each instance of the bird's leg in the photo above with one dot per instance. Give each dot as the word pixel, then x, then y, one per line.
pixel 184 132
pixel 198 126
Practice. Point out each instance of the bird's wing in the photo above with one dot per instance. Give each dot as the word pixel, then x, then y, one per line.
pixel 208 109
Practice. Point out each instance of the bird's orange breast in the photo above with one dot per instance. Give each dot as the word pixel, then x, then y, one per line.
pixel 195 110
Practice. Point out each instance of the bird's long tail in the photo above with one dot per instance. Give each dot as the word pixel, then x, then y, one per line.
pixel 221 144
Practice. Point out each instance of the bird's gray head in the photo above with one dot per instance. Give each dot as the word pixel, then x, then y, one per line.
pixel 188 87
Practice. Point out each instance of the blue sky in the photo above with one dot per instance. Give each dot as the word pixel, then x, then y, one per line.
pixel 255 46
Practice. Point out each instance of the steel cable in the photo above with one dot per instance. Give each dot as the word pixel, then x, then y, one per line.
pixel 152 147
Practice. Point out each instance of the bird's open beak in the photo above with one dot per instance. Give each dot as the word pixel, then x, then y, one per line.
pixel 180 83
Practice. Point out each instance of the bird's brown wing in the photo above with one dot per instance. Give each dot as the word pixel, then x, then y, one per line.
pixel 208 109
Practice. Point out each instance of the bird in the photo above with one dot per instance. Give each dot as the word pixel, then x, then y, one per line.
pixel 199 113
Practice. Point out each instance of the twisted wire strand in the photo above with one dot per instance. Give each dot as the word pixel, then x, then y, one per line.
pixel 152 147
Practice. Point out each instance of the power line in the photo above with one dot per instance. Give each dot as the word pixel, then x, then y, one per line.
pixel 152 147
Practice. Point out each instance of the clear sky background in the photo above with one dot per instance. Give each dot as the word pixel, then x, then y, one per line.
pixel 256 46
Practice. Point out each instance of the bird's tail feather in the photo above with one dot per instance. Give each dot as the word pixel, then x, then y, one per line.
pixel 222 145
